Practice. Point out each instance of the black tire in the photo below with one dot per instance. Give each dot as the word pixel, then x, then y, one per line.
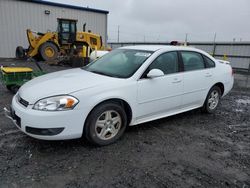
pixel 206 106
pixel 52 47
pixel 20 52
pixel 90 129
pixel 13 88
pixel 9 87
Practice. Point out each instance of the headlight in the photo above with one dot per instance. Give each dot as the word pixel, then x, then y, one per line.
pixel 56 103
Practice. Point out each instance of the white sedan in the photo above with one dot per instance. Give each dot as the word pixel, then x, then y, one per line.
pixel 128 86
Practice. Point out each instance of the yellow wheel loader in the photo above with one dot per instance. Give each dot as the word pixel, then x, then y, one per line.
pixel 65 42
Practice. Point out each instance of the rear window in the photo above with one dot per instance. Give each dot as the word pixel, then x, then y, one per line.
pixel 209 62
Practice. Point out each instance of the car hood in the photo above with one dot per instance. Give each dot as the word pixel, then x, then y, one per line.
pixel 62 82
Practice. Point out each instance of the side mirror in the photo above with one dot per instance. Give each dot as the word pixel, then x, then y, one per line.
pixel 155 73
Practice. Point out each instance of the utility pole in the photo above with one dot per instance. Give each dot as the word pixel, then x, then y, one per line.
pixel 215 35
pixel 186 39
pixel 118 34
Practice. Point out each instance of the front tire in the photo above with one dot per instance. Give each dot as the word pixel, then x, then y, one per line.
pixel 48 51
pixel 212 100
pixel 105 124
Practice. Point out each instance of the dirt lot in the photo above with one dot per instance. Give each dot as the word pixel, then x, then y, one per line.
pixel 187 150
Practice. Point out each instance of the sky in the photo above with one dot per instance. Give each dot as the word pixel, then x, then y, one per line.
pixel 168 20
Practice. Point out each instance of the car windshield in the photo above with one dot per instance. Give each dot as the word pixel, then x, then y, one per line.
pixel 120 63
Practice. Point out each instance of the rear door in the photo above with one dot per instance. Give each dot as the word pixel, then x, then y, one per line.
pixel 161 95
pixel 197 79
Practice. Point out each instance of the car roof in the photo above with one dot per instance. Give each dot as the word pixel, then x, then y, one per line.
pixel 159 47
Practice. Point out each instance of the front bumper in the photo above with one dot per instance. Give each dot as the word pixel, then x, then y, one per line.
pixel 59 125
pixel 11 115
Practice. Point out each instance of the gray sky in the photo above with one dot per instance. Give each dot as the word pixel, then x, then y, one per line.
pixel 167 20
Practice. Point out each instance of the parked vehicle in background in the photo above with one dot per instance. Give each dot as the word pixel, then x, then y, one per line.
pixel 65 42
pixel 128 86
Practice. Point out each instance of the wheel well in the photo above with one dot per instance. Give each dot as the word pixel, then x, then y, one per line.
pixel 221 86
pixel 120 102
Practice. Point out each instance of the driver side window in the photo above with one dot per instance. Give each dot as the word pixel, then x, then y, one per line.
pixel 167 63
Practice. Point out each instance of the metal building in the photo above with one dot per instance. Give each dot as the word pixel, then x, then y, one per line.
pixel 18 15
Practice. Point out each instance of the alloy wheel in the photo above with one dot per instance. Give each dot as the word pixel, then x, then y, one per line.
pixel 108 125
pixel 213 100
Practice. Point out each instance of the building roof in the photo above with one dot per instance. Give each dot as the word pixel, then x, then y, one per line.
pixel 67 6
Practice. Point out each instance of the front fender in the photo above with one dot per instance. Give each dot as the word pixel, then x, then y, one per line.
pixel 89 99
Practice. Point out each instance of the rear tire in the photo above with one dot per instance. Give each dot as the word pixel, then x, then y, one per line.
pixel 48 51
pixel 105 124
pixel 20 52
pixel 212 100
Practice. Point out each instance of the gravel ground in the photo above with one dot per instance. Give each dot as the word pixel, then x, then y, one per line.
pixel 187 150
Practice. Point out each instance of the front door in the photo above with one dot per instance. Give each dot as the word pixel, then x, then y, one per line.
pixel 162 95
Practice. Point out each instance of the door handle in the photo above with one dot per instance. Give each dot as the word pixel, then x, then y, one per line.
pixel 208 75
pixel 176 80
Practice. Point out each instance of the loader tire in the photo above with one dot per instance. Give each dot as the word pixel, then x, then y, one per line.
pixel 20 52
pixel 48 51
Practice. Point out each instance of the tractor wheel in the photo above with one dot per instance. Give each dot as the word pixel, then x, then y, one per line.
pixel 48 51
pixel 20 52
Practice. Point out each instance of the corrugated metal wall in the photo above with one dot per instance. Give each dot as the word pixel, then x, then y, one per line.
pixel 17 16
pixel 237 53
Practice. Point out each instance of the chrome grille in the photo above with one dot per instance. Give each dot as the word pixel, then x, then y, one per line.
pixel 22 101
